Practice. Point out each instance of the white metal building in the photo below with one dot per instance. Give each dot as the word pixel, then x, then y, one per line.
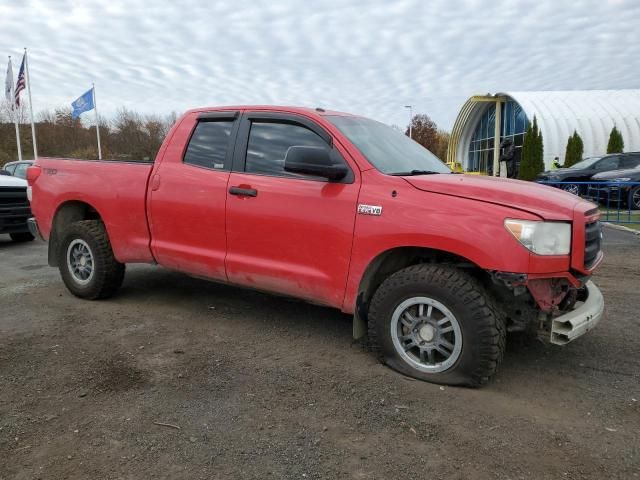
pixel 592 113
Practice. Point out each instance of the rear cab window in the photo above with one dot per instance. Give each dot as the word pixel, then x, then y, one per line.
pixel 209 145
pixel 21 170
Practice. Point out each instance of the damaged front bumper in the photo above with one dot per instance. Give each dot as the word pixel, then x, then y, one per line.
pixel 575 323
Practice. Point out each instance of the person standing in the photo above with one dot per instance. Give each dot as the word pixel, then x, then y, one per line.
pixel 507 158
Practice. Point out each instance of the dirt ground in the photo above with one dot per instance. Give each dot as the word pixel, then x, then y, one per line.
pixel 180 378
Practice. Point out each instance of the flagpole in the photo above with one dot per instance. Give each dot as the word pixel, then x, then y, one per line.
pixel 95 107
pixel 15 119
pixel 33 125
pixel 15 115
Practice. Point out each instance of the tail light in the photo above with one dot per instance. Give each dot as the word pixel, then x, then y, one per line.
pixel 33 172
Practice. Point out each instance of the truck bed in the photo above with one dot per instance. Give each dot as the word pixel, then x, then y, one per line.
pixel 114 189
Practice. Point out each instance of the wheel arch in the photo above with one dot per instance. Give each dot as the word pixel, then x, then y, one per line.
pixel 392 260
pixel 67 213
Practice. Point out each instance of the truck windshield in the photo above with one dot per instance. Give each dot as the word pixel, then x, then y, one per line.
pixel 387 149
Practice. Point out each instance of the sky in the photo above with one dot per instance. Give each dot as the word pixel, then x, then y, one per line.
pixel 365 57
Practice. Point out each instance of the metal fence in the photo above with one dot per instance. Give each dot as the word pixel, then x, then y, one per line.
pixel 619 202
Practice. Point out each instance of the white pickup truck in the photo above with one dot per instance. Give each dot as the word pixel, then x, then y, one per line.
pixel 14 208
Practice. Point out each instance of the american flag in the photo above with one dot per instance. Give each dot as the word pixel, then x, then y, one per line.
pixel 21 82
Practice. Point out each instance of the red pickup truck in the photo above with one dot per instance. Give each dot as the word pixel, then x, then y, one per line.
pixel 338 210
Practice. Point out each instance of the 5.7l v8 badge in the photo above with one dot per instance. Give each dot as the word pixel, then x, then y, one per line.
pixel 369 209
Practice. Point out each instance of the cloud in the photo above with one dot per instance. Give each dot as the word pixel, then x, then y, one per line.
pixel 366 57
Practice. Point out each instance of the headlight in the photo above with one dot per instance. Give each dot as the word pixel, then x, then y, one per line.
pixel 543 238
pixel 620 180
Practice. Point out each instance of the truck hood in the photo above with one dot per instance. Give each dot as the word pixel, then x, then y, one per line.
pixel 547 202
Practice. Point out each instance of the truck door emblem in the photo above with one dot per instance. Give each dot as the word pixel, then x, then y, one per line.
pixel 369 209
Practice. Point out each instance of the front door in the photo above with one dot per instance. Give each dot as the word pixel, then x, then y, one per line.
pixel 286 232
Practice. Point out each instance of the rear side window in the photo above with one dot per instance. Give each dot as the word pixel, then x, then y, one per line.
pixel 209 145
pixel 268 145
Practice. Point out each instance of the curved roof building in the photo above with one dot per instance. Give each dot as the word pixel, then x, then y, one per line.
pixel 592 113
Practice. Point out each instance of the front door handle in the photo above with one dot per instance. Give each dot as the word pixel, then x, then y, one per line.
pixel 245 192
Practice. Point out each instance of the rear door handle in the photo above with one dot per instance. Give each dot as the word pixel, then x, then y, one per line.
pixel 155 182
pixel 246 192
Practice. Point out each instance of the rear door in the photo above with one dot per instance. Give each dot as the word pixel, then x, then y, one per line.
pixel 286 232
pixel 188 194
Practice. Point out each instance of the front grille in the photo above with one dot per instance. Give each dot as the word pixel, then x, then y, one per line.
pixel 14 209
pixel 592 239
pixel 13 196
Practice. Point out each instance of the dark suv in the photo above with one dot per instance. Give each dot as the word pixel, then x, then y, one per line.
pixel 619 186
pixel 585 169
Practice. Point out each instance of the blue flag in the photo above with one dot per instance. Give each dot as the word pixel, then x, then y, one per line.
pixel 83 104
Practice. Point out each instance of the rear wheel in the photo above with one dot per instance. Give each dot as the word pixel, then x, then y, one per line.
pixel 21 237
pixel 437 324
pixel 87 265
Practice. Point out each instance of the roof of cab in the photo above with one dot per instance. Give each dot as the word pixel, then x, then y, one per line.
pixel 270 108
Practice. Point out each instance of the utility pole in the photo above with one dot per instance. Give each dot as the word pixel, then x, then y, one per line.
pixel 410 107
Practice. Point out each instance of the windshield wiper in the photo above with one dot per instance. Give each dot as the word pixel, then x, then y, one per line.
pixel 414 172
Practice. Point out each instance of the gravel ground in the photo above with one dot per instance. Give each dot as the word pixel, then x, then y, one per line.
pixel 180 378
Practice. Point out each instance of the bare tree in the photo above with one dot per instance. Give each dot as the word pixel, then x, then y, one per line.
pixel 426 132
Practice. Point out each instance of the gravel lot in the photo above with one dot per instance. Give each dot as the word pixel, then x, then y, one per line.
pixel 254 386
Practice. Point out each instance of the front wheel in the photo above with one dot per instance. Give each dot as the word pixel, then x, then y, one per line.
pixel 438 324
pixel 87 265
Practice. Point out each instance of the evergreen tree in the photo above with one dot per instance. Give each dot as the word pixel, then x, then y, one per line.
pixel 616 143
pixel 531 158
pixel 579 146
pixel 575 149
pixel 569 154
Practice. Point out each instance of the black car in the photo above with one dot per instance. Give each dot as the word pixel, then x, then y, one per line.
pixel 619 186
pixel 587 168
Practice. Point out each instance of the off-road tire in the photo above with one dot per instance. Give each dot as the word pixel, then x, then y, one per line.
pixel 22 237
pixel 108 272
pixel 483 328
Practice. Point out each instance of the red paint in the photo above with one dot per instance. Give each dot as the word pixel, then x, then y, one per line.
pixel 301 237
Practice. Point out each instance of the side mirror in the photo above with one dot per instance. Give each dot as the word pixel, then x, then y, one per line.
pixel 313 161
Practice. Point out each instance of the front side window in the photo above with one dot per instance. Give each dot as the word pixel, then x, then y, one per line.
pixel 209 144
pixel 608 163
pixel 268 145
